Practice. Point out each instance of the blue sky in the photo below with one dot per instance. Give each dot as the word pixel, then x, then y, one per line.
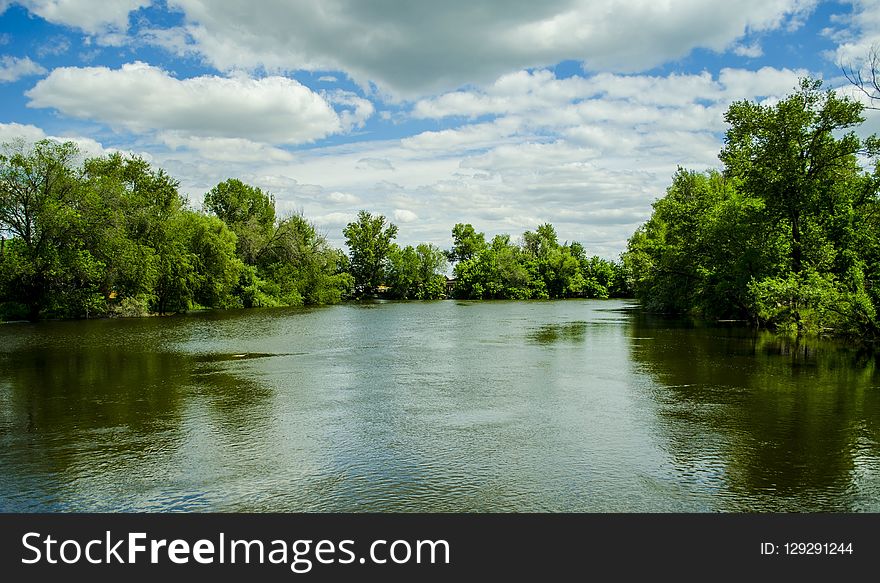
pixel 504 113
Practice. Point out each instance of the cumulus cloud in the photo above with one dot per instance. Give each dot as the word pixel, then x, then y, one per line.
pixel 405 216
pixel 538 99
pixel 14 68
pixel 588 154
pixel 343 198
pixel 90 16
pixel 354 111
pixel 142 98
pixel 10 132
pixel 420 47
pixel 857 32
pixel 236 150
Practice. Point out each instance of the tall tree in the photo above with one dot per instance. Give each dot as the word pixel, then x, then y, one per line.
pixel 792 154
pixel 41 203
pixel 248 211
pixel 466 242
pixel 369 240
pixel 132 208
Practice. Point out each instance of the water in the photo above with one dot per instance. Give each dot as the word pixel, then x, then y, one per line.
pixel 443 406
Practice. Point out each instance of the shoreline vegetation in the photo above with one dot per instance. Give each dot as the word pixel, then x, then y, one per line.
pixel 113 237
pixel 786 235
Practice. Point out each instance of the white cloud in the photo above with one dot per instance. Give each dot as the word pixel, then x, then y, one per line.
pixel 336 221
pixel 237 150
pixel 856 32
pixel 424 46
pixel 54 46
pixel 375 164
pixel 142 98
pixel 15 131
pixel 586 154
pixel 175 40
pixel 752 51
pixel 91 16
pixel 343 198
pixel 540 93
pixel 14 68
pixel 405 216
pixel 10 132
pixel 354 110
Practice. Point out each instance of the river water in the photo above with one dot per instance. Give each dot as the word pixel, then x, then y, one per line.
pixel 446 406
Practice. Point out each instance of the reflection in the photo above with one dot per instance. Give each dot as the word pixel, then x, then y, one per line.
pixel 219 357
pixel 778 422
pixel 568 332
pixel 89 415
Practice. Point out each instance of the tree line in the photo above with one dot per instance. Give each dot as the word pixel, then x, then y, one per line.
pixel 112 235
pixel 786 234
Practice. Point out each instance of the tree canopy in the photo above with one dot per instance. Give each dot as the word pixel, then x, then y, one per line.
pixel 369 240
pixel 785 235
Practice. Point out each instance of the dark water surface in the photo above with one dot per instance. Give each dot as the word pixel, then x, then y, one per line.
pixel 442 406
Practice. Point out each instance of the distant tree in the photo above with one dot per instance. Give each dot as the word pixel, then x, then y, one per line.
pixel 369 240
pixel 416 272
pixel 301 262
pixel 466 243
pixel 248 211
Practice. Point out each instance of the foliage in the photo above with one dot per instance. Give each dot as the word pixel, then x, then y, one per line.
pixel 539 268
pixel 416 272
pixel 113 236
pixel 370 241
pixel 786 236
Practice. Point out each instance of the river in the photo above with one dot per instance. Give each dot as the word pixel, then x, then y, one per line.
pixel 564 406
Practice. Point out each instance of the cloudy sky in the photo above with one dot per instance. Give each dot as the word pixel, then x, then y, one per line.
pixel 501 113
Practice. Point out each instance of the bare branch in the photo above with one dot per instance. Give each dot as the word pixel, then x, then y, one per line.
pixel 856 73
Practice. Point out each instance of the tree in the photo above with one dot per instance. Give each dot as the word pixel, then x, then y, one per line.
pixel 248 211
pixel 786 236
pixel 299 260
pixel 466 243
pixel 500 271
pixel 369 241
pixel 702 245
pixel 132 209
pixel 792 154
pixel 46 265
pixel 416 272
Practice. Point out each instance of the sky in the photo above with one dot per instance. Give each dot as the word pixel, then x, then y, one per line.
pixel 500 113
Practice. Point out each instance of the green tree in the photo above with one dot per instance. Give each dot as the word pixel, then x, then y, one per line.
pixel 466 242
pixel 500 271
pixel 417 272
pixel 300 262
pixel 786 236
pixel 793 154
pixel 132 208
pixel 369 240
pixel 248 211
pixel 47 265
